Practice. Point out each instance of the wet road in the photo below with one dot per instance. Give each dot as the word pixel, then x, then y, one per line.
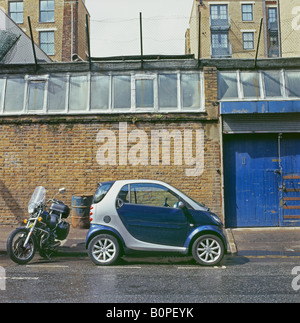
pixel 152 280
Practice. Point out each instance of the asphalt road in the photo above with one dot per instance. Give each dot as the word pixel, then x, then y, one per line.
pixel 151 280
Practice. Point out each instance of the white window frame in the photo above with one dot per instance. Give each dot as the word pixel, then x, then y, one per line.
pixel 86 109
pixel 28 80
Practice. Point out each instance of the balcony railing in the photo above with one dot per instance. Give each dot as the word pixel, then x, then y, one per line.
pixel 220 23
pixel 221 52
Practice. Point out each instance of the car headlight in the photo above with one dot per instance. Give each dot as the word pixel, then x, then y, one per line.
pixel 216 218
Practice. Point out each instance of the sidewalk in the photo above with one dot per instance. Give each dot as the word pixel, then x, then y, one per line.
pixel 265 241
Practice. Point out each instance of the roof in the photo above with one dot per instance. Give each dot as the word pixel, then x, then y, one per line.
pixel 16 45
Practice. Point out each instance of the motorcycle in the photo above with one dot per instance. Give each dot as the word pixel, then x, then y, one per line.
pixel 43 231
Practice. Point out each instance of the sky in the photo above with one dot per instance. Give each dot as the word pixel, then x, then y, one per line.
pixel 115 26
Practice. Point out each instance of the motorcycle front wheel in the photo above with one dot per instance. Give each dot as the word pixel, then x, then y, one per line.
pixel 16 250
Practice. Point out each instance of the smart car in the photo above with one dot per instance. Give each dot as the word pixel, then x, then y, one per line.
pixel 150 215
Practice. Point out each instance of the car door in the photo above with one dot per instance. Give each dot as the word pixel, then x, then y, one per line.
pixel 149 215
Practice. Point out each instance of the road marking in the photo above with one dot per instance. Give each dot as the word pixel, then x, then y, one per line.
pixel 271 256
pixel 20 278
pixel 47 266
pixel 199 267
pixel 120 267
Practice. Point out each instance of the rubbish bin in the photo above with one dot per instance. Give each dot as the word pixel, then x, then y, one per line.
pixel 81 211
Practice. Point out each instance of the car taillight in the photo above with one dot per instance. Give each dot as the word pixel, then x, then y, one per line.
pixel 91 213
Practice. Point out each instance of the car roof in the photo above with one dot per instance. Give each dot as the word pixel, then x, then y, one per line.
pixel 131 181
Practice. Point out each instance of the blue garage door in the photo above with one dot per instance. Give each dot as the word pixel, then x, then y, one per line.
pixel 262 180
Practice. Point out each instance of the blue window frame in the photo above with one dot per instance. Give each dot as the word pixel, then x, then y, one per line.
pixel 16 11
pixel 47 11
pixel 47 42
pixel 247 12
pixel 248 40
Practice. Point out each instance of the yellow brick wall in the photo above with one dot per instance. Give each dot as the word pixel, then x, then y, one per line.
pixel 62 152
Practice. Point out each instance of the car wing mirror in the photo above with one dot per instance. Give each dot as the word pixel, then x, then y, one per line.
pixel 181 205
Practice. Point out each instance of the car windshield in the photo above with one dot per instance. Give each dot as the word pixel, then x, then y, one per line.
pixel 102 190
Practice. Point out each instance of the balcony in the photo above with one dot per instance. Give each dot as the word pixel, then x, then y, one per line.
pixel 273 25
pixel 221 52
pixel 220 22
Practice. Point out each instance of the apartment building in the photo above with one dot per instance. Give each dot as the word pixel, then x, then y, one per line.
pixel 59 26
pixel 231 29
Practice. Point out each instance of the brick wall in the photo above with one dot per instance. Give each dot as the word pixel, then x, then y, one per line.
pixel 74 19
pixel 62 151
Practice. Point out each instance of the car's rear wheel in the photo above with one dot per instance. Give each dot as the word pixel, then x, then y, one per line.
pixel 104 250
pixel 208 250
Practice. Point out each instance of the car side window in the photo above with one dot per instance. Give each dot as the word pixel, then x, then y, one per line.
pixel 124 194
pixel 152 195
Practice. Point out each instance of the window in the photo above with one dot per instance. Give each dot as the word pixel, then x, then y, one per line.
pixel 100 92
pixel 47 11
pixel 36 90
pixel 220 44
pixel 152 195
pixel 14 95
pixel 248 40
pixel 102 190
pixel 47 42
pixel 190 90
pixel 144 93
pixel 167 91
pixel 122 92
pixel 2 82
pixel 293 83
pixel 218 12
pixel 272 15
pixel 94 91
pixel 272 80
pixel 78 93
pixel 57 86
pixel 16 11
pixel 250 84
pixel 247 12
pixel 227 85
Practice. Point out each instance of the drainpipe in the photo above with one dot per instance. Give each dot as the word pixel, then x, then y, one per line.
pixel 72 28
pixel 266 49
pixel 279 28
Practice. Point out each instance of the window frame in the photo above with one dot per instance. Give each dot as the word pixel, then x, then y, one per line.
pixel 262 87
pixel 32 80
pixel 248 41
pixel 16 12
pixel 245 13
pixel 163 188
pixel 47 11
pixel 65 108
pixel 47 43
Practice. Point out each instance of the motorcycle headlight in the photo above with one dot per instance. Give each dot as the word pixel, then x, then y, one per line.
pixel 31 208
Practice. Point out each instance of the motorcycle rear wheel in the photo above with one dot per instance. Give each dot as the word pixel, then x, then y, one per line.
pixel 15 247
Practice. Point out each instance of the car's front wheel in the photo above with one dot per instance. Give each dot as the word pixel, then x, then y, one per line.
pixel 208 250
pixel 104 250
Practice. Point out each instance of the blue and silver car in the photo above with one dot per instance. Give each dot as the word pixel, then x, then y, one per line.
pixel 150 215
